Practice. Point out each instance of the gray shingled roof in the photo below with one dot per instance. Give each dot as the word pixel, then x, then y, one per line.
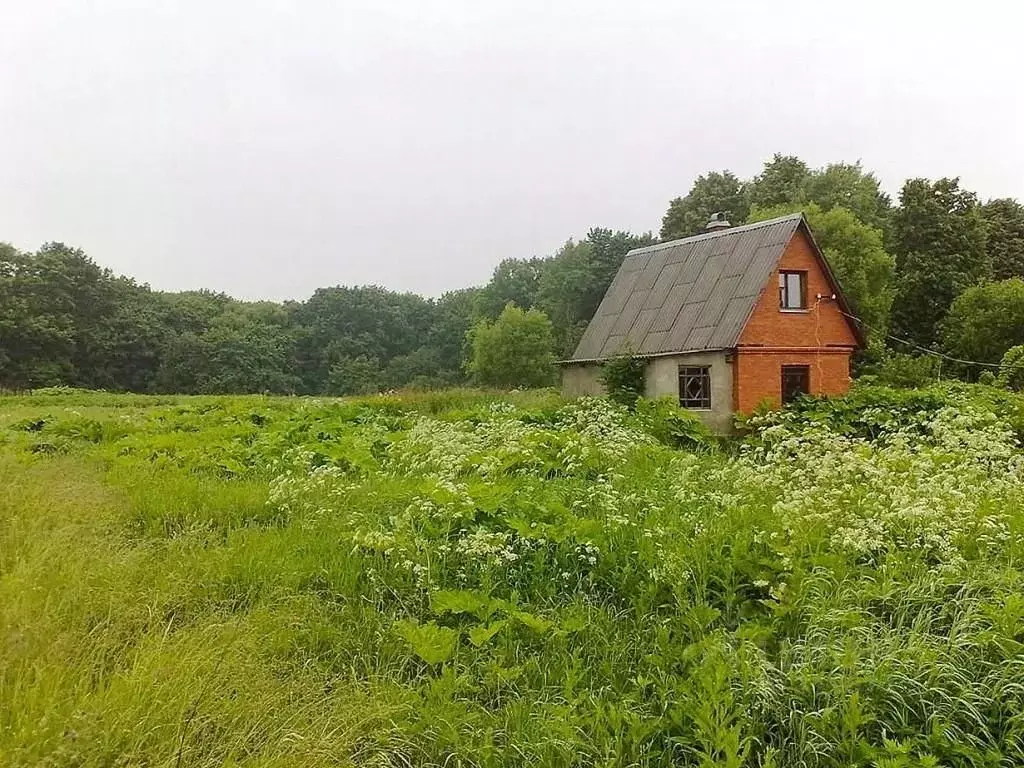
pixel 686 295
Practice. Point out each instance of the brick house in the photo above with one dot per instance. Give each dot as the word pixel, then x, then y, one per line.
pixel 724 320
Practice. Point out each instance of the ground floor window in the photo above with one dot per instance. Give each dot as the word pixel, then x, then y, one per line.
pixel 796 381
pixel 694 386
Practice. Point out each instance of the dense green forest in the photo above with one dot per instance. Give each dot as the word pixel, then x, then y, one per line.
pixel 937 270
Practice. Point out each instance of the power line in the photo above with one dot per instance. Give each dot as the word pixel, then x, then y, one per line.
pixel 918 347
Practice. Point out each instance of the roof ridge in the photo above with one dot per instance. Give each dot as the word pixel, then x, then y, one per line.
pixel 717 233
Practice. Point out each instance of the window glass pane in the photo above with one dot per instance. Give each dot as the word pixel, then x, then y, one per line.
pixel 792 290
pixel 794 294
pixel 795 382
pixel 694 387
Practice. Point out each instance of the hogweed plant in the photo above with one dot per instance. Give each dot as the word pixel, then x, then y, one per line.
pixel 470 581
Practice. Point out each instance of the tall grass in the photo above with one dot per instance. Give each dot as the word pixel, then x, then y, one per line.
pixel 460 579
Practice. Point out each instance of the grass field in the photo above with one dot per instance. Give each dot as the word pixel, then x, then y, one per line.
pixel 461 579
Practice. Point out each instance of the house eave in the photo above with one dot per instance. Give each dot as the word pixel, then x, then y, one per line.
pixel 642 356
pixel 830 349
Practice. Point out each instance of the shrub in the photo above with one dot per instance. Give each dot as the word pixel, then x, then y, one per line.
pixel 516 350
pixel 866 412
pixel 1011 369
pixel 672 425
pixel 985 321
pixel 906 371
pixel 623 377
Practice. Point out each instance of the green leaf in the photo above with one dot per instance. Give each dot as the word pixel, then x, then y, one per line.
pixel 433 644
pixel 535 623
pixel 526 528
pixel 461 601
pixel 480 636
pixel 496 674
pixel 574 624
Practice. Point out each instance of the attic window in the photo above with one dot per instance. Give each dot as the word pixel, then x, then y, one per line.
pixel 694 387
pixel 792 290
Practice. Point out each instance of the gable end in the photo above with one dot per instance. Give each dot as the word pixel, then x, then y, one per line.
pixel 822 323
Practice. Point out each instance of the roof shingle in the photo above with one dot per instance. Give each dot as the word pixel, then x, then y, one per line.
pixel 686 295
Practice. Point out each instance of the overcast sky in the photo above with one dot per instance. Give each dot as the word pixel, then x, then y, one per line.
pixel 268 148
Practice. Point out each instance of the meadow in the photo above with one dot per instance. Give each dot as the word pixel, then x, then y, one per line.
pixel 472 579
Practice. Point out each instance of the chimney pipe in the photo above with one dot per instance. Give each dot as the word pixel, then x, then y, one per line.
pixel 718 221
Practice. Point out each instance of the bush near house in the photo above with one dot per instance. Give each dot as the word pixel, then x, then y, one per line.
pixel 623 379
pixel 1011 369
pixel 461 578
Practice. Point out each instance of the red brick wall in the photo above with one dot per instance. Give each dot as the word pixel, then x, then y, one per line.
pixel 820 325
pixel 820 337
pixel 757 375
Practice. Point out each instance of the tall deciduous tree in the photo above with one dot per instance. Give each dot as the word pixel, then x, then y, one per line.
pixel 62 300
pixel 359 375
pixel 782 181
pixel 607 250
pixel 516 350
pixel 1004 222
pixel 248 348
pixel 856 254
pixel 77 288
pixel 29 339
pixel 710 193
pixel 514 280
pixel 939 244
pixel 985 321
pixel 847 185
pixel 563 292
pixel 343 323
pixel 420 369
pixel 452 319
pixel 134 337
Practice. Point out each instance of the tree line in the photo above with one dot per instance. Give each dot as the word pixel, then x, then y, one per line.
pixel 936 270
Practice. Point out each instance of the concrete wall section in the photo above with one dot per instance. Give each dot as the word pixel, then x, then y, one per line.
pixel 582 379
pixel 662 380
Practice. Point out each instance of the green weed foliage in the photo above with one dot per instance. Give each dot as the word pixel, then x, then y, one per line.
pixel 468 579
pixel 623 378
